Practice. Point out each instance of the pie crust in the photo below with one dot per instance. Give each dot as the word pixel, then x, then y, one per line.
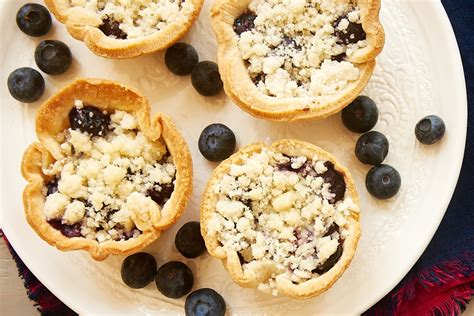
pixel 230 259
pixel 240 88
pixel 52 119
pixel 83 25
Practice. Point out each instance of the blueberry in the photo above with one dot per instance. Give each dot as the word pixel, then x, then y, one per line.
pixel 26 85
pixel 112 28
pixel 53 57
pixel 174 279
pixel 372 148
pixel 383 181
pixel 430 129
pixel 204 302
pixel 206 79
pixel 138 270
pixel 89 120
pixel 336 180
pixel 217 142
pixel 161 195
pixel 330 262
pixel 189 241
pixel 352 34
pixel 181 58
pixel 67 230
pixel 34 20
pixel 244 23
pixel 361 115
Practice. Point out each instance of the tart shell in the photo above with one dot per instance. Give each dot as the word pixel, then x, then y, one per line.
pixel 83 25
pixel 251 278
pixel 240 88
pixel 52 120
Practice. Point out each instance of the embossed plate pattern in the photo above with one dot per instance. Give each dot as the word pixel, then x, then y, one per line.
pixel 419 73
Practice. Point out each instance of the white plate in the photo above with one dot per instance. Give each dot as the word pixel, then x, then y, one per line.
pixel 419 73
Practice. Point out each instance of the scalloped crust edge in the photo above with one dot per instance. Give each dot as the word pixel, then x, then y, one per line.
pixel 84 26
pixel 230 259
pixel 240 88
pixel 52 118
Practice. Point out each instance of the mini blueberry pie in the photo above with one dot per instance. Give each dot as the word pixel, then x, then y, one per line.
pixel 124 28
pixel 282 218
pixel 104 178
pixel 291 60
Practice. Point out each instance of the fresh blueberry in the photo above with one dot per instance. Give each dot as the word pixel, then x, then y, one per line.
pixel 372 148
pixel 350 35
pixel 244 23
pixel 383 181
pixel 34 20
pixel 204 302
pixel 90 120
pixel 189 241
pixel 430 130
pixel 112 28
pixel 26 85
pixel 181 58
pixel 67 230
pixel 174 279
pixel 330 262
pixel 361 115
pixel 336 180
pixel 53 57
pixel 138 270
pixel 217 142
pixel 161 195
pixel 206 79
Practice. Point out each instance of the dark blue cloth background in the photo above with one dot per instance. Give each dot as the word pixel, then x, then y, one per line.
pixel 455 235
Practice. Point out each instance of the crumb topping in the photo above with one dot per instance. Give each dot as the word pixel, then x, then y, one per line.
pixel 138 18
pixel 109 187
pixel 299 48
pixel 279 214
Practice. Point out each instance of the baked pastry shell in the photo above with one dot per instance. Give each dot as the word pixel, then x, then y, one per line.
pixel 83 25
pixel 252 278
pixel 52 119
pixel 239 86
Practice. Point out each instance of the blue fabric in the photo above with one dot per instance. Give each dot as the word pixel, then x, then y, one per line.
pixel 455 236
pixel 456 233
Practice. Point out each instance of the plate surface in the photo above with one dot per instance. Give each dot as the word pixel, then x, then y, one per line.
pixel 419 73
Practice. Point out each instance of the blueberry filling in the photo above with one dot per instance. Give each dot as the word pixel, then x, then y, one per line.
pixel 90 120
pixel 339 58
pixel 352 34
pixel 304 170
pixel 111 27
pixel 332 229
pixel 244 23
pixel 161 194
pixel 260 77
pixel 241 258
pixel 331 261
pixel 66 230
pixel 52 187
pixel 336 180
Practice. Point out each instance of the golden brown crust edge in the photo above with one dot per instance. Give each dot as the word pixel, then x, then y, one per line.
pixel 240 88
pixel 310 288
pixel 84 27
pixel 52 119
